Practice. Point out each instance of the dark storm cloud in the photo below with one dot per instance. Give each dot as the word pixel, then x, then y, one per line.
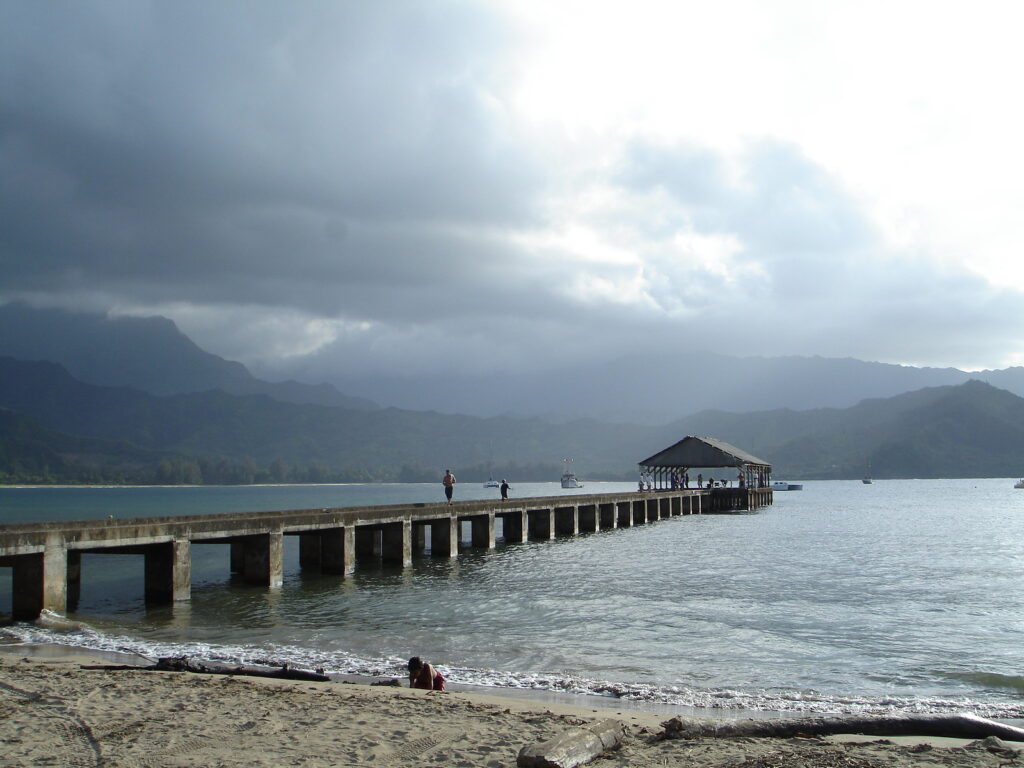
pixel 229 152
pixel 328 186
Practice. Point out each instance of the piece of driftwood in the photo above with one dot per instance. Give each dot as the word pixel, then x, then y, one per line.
pixel 954 726
pixel 572 748
pixel 185 664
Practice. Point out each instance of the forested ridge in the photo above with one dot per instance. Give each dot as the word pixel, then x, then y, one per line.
pixel 57 429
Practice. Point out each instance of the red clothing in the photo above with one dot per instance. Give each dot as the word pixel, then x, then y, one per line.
pixel 427 677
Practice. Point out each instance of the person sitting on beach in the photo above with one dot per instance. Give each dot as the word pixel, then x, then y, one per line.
pixel 423 675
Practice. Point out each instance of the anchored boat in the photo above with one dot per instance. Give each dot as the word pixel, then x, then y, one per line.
pixel 568 477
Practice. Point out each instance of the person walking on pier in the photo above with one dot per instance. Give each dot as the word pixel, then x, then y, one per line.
pixel 504 490
pixel 423 675
pixel 449 484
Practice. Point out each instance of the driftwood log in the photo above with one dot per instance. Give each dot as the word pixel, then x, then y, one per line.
pixel 185 664
pixel 953 726
pixel 572 748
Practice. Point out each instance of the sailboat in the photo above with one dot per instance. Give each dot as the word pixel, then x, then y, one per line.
pixel 491 483
pixel 867 473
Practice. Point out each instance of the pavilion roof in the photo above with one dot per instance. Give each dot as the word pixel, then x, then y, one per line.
pixel 702 452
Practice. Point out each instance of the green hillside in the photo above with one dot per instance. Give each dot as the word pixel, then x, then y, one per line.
pixel 59 429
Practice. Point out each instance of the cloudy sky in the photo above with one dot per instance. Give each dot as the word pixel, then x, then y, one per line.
pixel 326 188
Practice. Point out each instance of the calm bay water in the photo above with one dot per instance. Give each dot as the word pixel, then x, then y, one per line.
pixel 903 595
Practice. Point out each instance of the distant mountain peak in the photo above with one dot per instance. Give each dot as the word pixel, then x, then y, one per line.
pixel 146 353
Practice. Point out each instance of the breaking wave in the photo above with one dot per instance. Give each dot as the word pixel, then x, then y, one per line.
pixel 53 629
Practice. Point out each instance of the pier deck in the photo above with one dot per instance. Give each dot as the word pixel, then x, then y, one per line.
pixel 46 557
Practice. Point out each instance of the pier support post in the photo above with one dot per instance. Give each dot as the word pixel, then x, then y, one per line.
pixel 29 579
pixel 74 579
pixel 396 543
pixel 514 527
pixel 310 555
pixel 444 537
pixel 55 575
pixel 638 510
pixel 338 550
pixel 541 523
pixel 419 538
pixel 482 531
pixel 567 521
pixel 367 542
pixel 624 513
pixel 264 559
pixel 587 518
pixel 607 516
pixel 238 557
pixel 168 571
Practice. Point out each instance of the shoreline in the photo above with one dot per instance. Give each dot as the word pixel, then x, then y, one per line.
pixel 536 696
pixel 57 712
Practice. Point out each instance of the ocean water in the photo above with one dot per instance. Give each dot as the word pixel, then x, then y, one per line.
pixel 901 596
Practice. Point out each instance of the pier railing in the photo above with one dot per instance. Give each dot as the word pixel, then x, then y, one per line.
pixel 46 556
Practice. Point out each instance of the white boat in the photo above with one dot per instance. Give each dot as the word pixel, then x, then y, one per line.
pixel 1019 483
pixel 569 481
pixel 782 485
pixel 568 477
pixel 492 483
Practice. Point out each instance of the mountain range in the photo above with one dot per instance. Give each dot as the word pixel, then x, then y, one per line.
pixel 58 429
pixel 95 399
pixel 151 354
pixel 145 353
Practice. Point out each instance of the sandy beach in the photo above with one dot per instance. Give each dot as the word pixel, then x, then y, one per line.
pixel 54 712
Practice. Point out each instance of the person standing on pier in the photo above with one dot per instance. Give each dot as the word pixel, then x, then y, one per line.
pixel 449 484
pixel 504 490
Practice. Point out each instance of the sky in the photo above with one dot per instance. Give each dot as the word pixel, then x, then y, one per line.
pixel 330 189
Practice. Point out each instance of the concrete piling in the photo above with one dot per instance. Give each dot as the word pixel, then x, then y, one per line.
pixel 47 567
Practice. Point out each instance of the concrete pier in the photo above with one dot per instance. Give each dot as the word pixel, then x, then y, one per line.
pixel 46 557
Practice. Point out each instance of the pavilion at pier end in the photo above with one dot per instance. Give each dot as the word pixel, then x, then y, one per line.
pixel 743 482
